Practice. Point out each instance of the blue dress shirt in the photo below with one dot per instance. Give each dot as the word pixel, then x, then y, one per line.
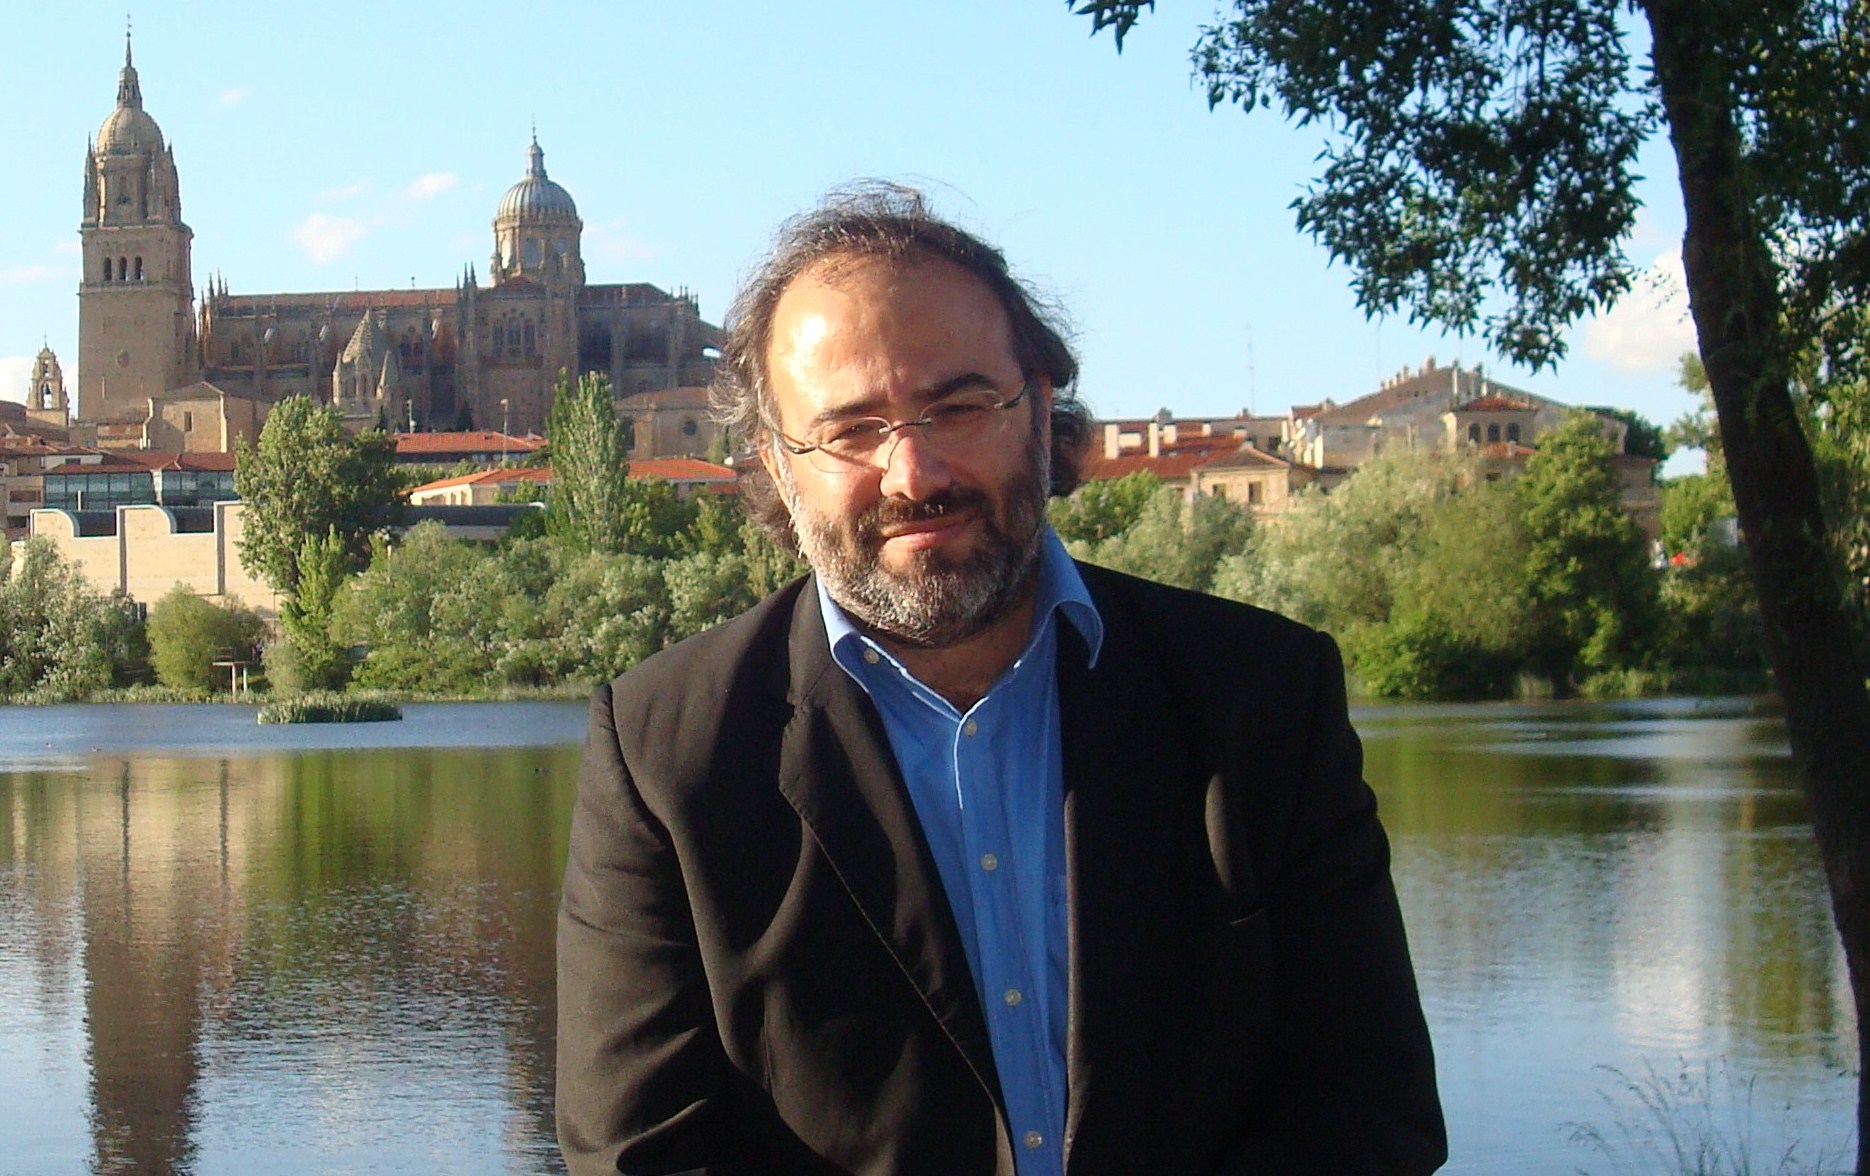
pixel 988 788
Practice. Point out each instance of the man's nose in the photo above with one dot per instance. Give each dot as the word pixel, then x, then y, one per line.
pixel 912 467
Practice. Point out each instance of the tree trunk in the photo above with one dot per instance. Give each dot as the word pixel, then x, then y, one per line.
pixel 1733 290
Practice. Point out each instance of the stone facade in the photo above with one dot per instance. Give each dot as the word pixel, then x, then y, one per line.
pixel 145 551
pixel 470 355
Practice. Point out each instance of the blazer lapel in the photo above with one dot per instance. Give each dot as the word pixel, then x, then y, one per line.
pixel 1123 751
pixel 837 770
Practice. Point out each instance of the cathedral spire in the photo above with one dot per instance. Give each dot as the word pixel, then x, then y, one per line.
pixel 129 92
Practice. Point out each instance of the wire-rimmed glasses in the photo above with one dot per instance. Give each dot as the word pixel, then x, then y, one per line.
pixel 953 424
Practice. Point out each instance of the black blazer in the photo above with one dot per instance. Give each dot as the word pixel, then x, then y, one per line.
pixel 759 971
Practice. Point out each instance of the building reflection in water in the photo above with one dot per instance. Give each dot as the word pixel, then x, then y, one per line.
pixel 351 948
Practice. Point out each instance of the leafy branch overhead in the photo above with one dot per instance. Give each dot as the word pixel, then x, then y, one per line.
pixel 1479 169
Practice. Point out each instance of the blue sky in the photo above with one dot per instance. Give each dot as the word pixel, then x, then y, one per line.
pixel 348 145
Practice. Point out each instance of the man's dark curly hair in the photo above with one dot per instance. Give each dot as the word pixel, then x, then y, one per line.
pixel 870 221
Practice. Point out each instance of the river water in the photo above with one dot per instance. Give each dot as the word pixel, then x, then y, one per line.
pixel 228 948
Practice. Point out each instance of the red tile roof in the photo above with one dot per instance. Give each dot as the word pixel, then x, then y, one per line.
pixel 1495 403
pixel 680 469
pixel 479 441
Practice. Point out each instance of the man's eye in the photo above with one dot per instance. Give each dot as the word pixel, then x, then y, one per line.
pixel 958 412
pixel 855 432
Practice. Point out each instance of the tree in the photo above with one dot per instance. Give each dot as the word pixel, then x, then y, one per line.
pixel 308 476
pixel 1588 581
pixel 60 639
pixel 188 634
pixel 1482 178
pixel 318 662
pixel 1173 541
pixel 1099 509
pixel 591 494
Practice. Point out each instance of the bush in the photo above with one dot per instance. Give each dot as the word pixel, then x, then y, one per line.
pixel 188 634
pixel 325 707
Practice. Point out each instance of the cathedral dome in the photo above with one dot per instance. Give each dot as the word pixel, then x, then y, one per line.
pixel 536 198
pixel 128 130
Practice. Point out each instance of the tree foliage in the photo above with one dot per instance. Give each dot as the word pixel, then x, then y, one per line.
pixel 59 638
pixel 188 634
pixel 1591 592
pixel 1100 509
pixel 1173 541
pixel 308 476
pixel 591 493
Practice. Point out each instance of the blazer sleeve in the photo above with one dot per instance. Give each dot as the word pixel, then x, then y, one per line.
pixel 642 1082
pixel 1352 1086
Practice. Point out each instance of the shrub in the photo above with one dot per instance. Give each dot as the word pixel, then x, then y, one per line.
pixel 188 634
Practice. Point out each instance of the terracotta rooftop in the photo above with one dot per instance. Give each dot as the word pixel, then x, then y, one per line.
pixel 1495 402
pixel 477 441
pixel 1247 457
pixel 680 469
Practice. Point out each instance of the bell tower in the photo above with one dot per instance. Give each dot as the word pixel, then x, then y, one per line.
pixel 136 322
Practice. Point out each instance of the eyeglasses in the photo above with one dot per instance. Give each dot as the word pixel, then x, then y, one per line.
pixel 952 424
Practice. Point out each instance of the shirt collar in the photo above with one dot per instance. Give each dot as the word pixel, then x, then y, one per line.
pixel 1060 589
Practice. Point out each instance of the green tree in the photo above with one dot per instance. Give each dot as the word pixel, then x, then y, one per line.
pixel 317 662
pixel 1591 591
pixel 591 494
pixel 188 634
pixel 1481 176
pixel 1173 541
pixel 1098 510
pixel 307 476
pixel 59 638
pixel 1641 437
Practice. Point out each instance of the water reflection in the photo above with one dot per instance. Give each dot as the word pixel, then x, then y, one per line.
pixel 343 956
pixel 1611 886
pixel 225 955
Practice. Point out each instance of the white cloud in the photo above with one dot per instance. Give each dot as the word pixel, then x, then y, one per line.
pixel 21 275
pixel 431 186
pixel 327 238
pixel 341 194
pixel 15 371
pixel 1649 327
pixel 233 96
pixel 609 242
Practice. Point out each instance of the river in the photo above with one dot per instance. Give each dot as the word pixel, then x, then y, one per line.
pixel 227 948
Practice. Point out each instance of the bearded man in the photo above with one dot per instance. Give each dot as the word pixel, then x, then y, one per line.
pixel 956 856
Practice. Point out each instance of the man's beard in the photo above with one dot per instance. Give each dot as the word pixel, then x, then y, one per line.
pixel 937 602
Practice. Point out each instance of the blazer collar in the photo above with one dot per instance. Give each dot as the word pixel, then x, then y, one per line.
pixel 837 771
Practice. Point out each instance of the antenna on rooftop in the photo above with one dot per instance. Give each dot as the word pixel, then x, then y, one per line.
pixel 1252 380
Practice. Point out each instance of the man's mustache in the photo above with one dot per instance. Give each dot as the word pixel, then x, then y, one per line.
pixel 892 512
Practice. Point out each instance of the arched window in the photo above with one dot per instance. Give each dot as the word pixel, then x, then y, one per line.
pixel 1473 434
pixel 123 269
pixel 499 338
pixel 529 337
pixel 107 269
pixel 139 269
pixel 1512 432
pixel 1493 432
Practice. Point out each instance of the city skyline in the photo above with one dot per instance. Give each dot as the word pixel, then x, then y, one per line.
pixel 368 153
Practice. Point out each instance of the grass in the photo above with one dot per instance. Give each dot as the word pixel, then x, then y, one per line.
pixel 1692 1124
pixel 328 707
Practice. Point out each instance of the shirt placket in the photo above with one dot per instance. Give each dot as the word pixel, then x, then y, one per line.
pixel 1001 890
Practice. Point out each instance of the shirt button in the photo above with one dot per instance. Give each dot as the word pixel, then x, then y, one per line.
pixel 1012 997
pixel 871 657
pixel 969 727
pixel 989 863
pixel 1034 1139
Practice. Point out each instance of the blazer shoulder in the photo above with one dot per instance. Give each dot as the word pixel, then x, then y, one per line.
pixel 713 678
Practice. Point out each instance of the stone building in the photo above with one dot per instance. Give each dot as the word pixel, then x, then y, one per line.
pixel 470 355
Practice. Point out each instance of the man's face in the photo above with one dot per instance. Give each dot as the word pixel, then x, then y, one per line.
pixel 929 543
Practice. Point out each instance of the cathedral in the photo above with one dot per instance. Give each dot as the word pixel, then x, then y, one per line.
pixel 472 355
